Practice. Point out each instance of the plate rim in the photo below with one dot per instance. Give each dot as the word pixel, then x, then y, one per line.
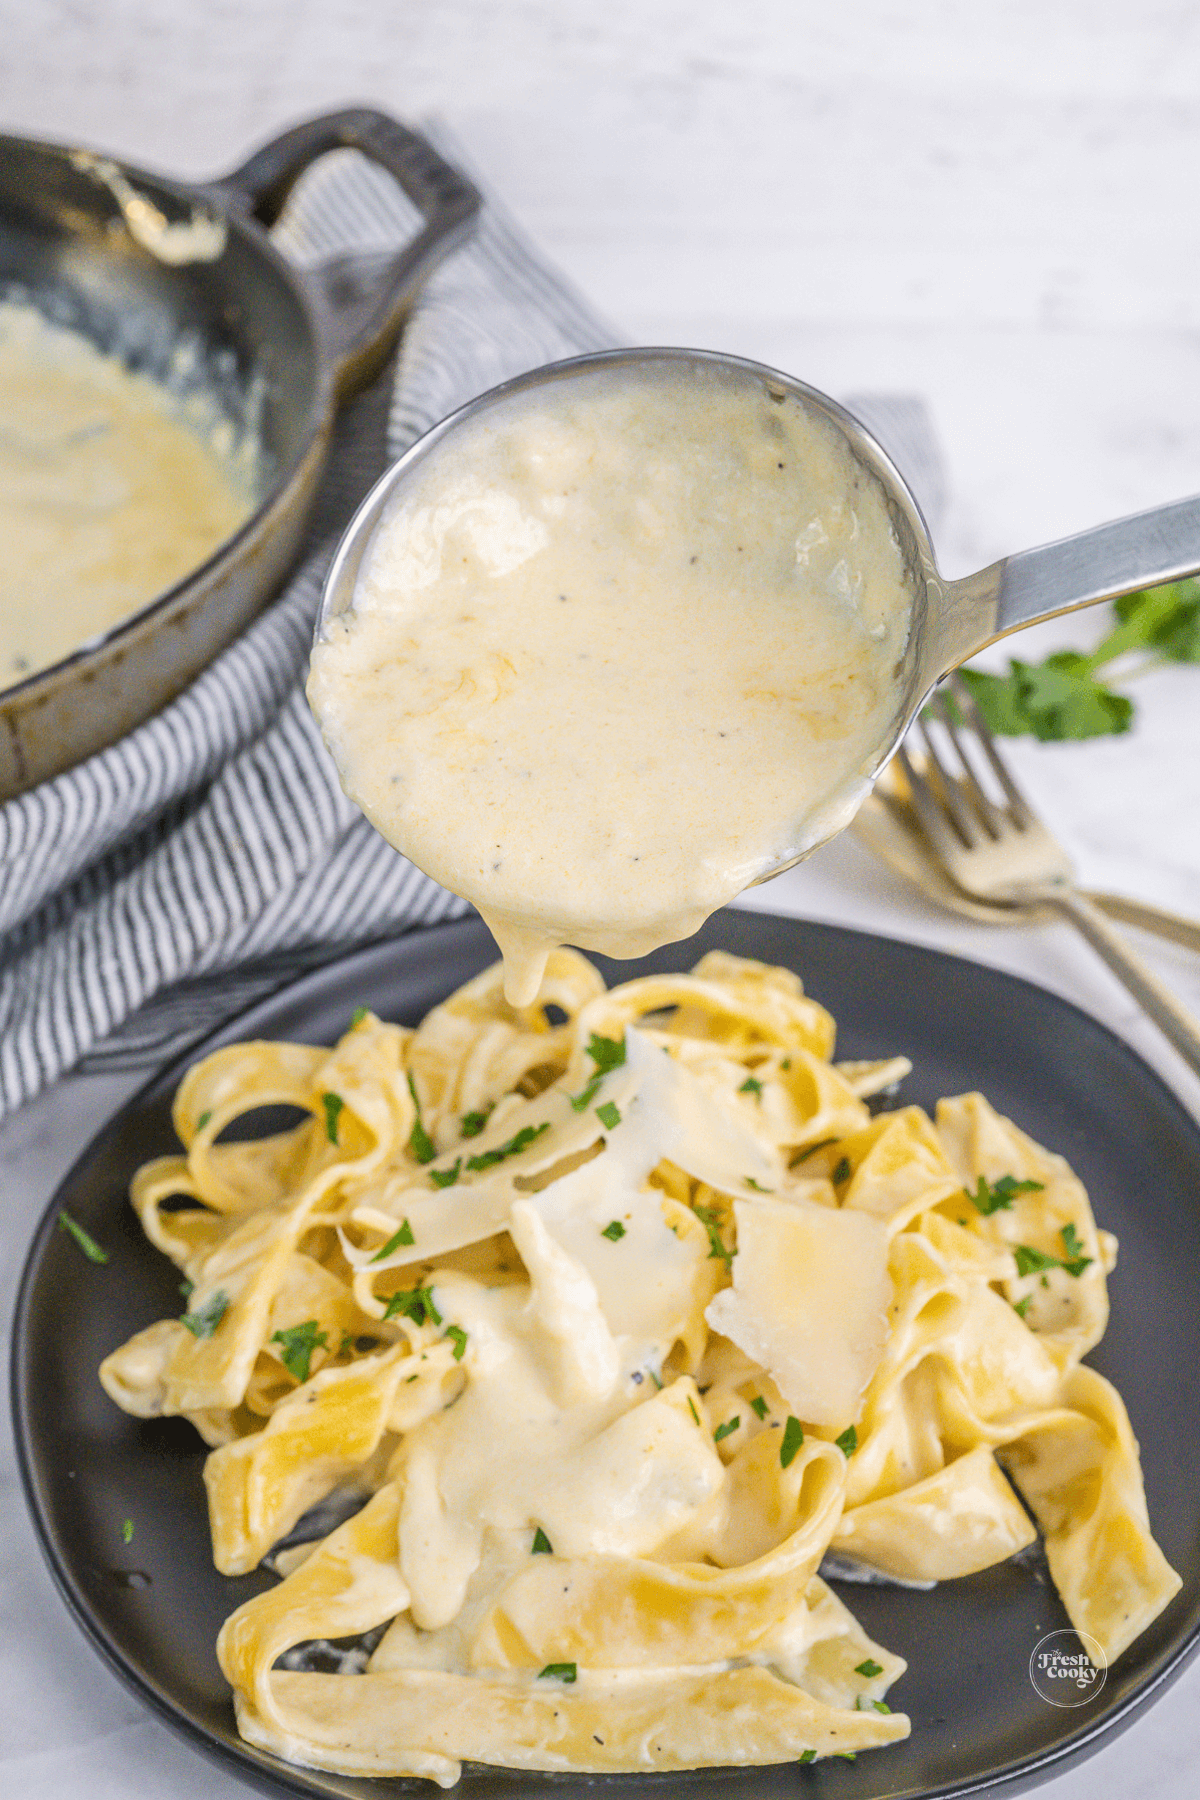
pixel 271 1775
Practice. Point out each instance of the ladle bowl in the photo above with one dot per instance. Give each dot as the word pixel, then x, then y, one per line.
pixel 951 620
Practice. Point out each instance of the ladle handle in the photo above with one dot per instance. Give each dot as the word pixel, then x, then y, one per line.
pixel 366 303
pixel 1145 550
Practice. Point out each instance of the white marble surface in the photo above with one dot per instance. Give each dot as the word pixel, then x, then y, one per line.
pixel 991 206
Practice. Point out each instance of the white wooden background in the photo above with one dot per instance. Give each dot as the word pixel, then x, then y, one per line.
pixel 992 204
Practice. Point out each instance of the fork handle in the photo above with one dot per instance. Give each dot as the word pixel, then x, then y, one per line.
pixel 1156 1000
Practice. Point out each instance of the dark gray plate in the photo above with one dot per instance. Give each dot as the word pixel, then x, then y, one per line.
pixel 153 1608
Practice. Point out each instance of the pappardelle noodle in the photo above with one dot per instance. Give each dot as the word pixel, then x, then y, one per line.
pixel 621 1312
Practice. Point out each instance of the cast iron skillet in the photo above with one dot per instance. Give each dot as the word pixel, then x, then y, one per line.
pixel 153 1607
pixel 304 339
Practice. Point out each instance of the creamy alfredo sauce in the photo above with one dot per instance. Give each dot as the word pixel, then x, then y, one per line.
pixel 622 647
pixel 111 490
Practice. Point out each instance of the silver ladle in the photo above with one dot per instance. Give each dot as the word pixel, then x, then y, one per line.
pixel 951 620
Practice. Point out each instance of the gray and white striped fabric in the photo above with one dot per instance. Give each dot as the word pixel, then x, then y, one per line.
pixel 203 860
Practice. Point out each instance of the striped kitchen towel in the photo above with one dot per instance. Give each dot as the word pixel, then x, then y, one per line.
pixel 202 861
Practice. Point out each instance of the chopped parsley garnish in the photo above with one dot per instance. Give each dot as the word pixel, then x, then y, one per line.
pixel 558 1672
pixel 186 1287
pixel 613 1231
pixel 793 1437
pixel 758 1406
pixel 786 1063
pixel 709 1217
pixel 474 1122
pixel 727 1429
pixel 519 1141
pixel 333 1104
pixel 752 1086
pixel 869 1669
pixel 1030 1261
pixel 415 1304
pixel 583 1099
pixel 541 1544
pixel 299 1342
pixel 421 1146
pixel 692 1409
pixel 127 1532
pixel 1021 1307
pixel 606 1053
pixel 204 1321
pixel 848 1442
pixel 750 1182
pixel 358 1015
pixel 609 1114
pixel 458 1338
pixel 202 1121
pixel 841 1171
pixel 91 1249
pixel 346 1345
pixel 998 1196
pixel 808 1756
pixel 403 1236
pixel 881 1706
pixel 802 1156
pixel 444 1178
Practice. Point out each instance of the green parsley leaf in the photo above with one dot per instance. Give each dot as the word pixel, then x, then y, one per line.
pixel 558 1672
pixel 127 1532
pixel 807 1756
pixel 474 1122
pixel 750 1182
pixel 803 1155
pixel 841 1171
pixel 606 1053
pixel 519 1141
pixel 692 1409
pixel 848 1442
pixel 1021 1307
pixel 1076 1261
pixel 786 1063
pixel 204 1321
pixel 186 1287
pixel 793 1437
pixel 333 1104
pixel 751 1086
pixel 709 1217
pixel 758 1406
pixel 727 1429
pixel 541 1544
pixel 458 1338
pixel 202 1121
pixel 999 1195
pixel 1164 619
pixel 1029 1261
pixel 444 1178
pixel 613 1231
pixel 1052 701
pixel 346 1345
pixel 415 1304
pixel 583 1099
pixel 398 1238
pixel 421 1146
pixel 91 1249
pixel 358 1015
pixel 869 1669
pixel 609 1115
pixel 299 1342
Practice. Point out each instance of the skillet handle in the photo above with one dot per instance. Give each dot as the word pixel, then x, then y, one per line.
pixel 365 315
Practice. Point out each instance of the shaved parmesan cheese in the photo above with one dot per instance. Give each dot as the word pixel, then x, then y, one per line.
pixel 809 1303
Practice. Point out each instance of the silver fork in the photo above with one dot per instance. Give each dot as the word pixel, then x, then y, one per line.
pixel 1001 851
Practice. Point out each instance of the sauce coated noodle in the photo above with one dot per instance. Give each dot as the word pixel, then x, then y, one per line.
pixel 620 1326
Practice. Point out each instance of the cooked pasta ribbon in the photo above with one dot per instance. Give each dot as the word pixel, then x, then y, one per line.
pixel 615 1315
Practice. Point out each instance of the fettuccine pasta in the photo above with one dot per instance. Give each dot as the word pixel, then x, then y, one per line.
pixel 603 1322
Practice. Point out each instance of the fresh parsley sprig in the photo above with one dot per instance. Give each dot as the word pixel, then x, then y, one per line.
pixel 998 1196
pixel 298 1343
pixel 204 1320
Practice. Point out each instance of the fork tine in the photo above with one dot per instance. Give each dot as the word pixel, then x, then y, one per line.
pixel 966 823
pixel 964 699
pixel 936 821
pixel 969 784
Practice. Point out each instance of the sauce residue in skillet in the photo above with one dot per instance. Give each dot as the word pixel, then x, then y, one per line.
pixel 112 488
